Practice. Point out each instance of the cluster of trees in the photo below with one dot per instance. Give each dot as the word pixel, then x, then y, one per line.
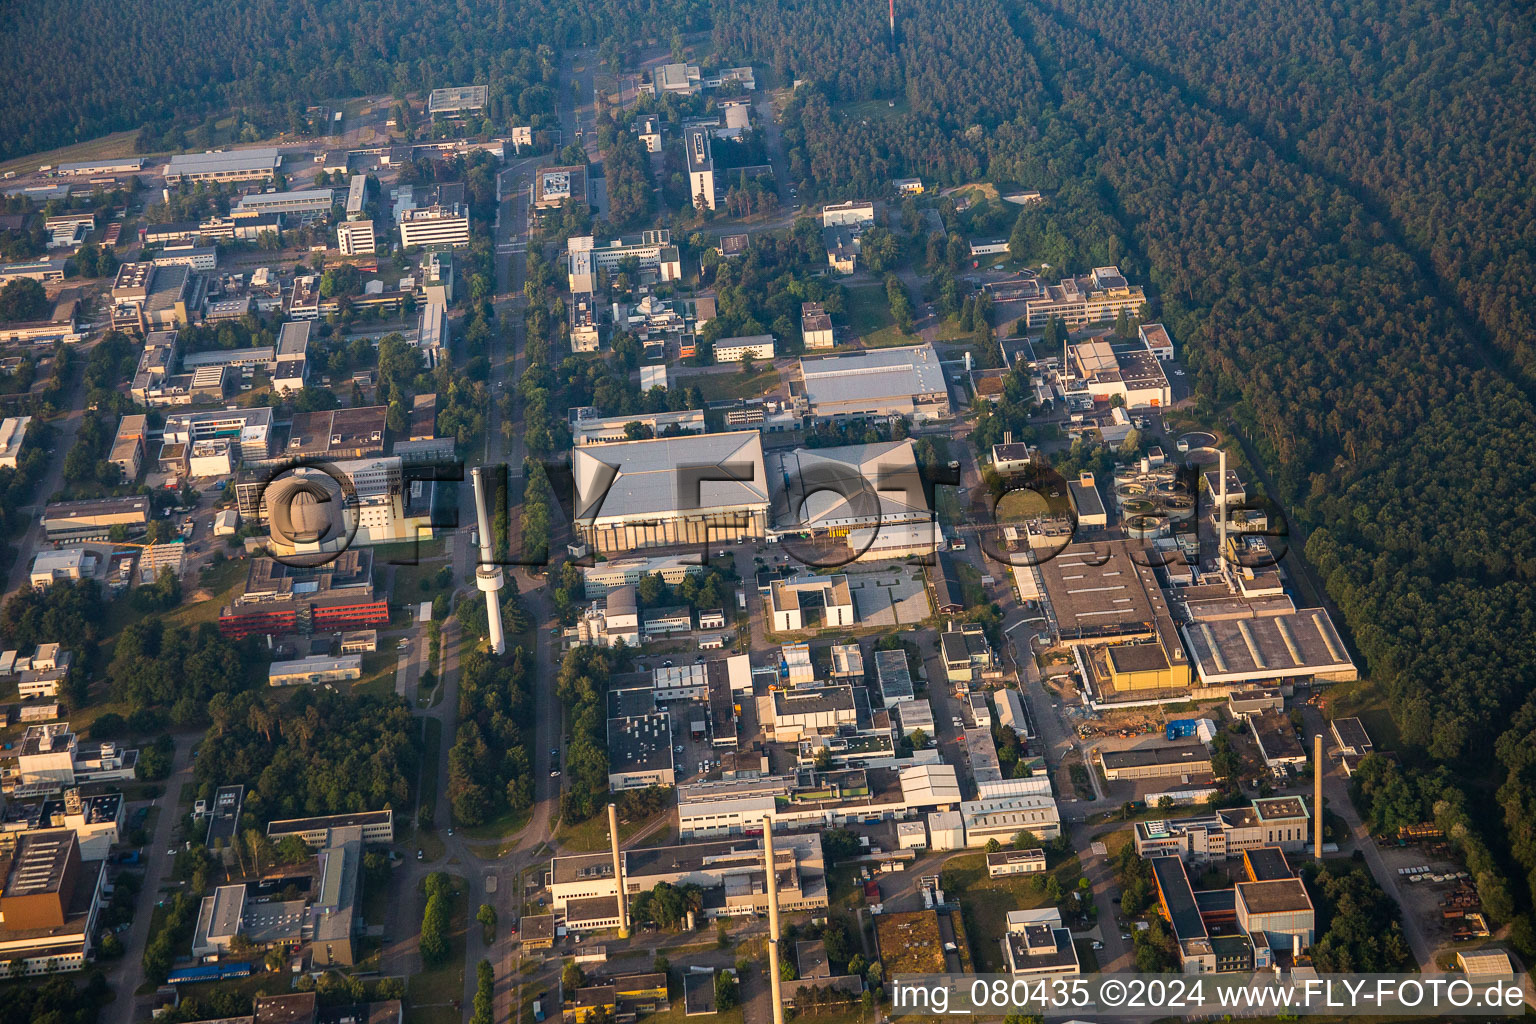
pixel 900 301
pixel 58 999
pixel 175 932
pixel 437 918
pixel 1359 927
pixel 71 609
pixel 322 753
pixel 23 299
pixel 627 168
pixel 155 664
pixel 581 686
pixel 667 905
pixel 490 765
pixel 174 70
pixel 761 291
pixel 534 524
pixel 485 994
pixel 706 590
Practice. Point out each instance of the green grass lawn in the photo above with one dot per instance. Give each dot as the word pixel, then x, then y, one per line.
pixel 870 110
pixel 720 386
pixel 591 835
pixel 378 679
pixel 869 317
pixel 430 996
pixel 499 827
pixel 986 901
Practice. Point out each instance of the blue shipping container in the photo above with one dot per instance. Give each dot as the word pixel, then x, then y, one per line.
pixel 1181 729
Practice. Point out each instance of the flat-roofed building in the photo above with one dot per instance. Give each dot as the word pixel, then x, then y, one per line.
pixel 120 165
pixel 1155 762
pixel 356 238
pixel 1157 340
pixel 701 168
pixel 603 577
pixel 435 226
pixel 847 662
pixel 815 326
pixel 1350 735
pixel 849 214
pixel 298 206
pixel 652 250
pixel 876 384
pixel 966 652
pixel 235 165
pixel 803 710
pixel 640 751
pixel 280 599
pixel 691 489
pixel 610 429
pixel 49 902
pixel 1281 822
pixel 555 186
pixel 95 518
pixel 67 563
pixel 44 270
pixel 1015 862
pixel 291 372
pixel 354 433
pixel 314 670
pixel 249 431
pixel 378 827
pixel 810 602
pixel 1097 297
pixel 732 350
pixel 457 99
pixel 1279 909
pixel 1176 900
pixel 1087 503
pixel 13 431
pixel 1296 647
pixel 1277 741
pixel 1134 374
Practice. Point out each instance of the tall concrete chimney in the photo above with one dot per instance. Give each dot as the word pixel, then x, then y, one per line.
pixel 773 921
pixel 1317 795
pixel 618 871
pixel 1221 512
pixel 488 577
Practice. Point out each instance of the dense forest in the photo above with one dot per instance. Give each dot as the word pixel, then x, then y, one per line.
pixel 163 62
pixel 1335 221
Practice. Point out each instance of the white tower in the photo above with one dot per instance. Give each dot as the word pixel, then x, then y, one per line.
pixel 488 575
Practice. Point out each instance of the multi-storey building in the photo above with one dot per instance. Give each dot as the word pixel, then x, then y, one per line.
pixel 446 225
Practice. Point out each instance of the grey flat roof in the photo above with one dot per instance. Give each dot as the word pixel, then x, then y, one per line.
pixel 877 373
pixel 1184 753
pixel 234 160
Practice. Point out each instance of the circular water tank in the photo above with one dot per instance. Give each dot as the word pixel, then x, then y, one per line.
pixel 1146 527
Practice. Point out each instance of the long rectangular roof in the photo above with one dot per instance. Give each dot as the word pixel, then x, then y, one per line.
pixel 877 373
pixel 670 475
pixel 1301 644
pixel 875 483
pixel 266 158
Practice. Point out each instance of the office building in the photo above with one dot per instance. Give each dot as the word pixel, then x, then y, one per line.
pixel 555 186
pixel 1130 372
pixel 1282 822
pixel 1015 862
pixel 893 678
pixel 849 214
pixel 235 165
pixel 433 334
pixel 248 431
pixel 810 602
pixel 1037 946
pixel 337 433
pixel 604 577
pixel 1098 297
pixel 355 238
pixel 652 251
pixel 49 902
pixel 297 207
pixel 730 871
pixel 435 226
pixel 701 169
pixel 608 429
pixel 690 489
pixel 378 827
pixel 281 599
pixel 291 372
pixel 44 270
pixel 876 384
pixel 95 518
